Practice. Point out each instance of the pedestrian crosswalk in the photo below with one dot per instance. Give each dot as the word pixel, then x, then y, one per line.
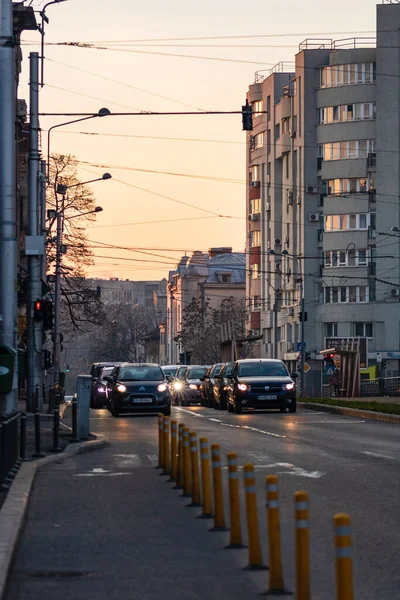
pixel 132 461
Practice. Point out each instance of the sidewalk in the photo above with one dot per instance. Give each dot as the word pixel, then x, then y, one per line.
pixel 96 529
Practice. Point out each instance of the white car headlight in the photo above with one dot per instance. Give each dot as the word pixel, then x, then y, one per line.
pixel 243 387
pixel 192 386
pixel 101 390
pixel 288 386
pixel 162 387
pixel 121 388
pixel 178 386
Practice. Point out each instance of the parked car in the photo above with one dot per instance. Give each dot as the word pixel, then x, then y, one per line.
pixel 204 386
pixel 210 382
pixel 177 384
pixel 100 388
pixel 191 389
pixel 170 370
pixel 221 386
pixel 137 387
pixel 261 383
pixel 95 371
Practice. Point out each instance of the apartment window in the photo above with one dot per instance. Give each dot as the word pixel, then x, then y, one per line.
pixel 277 131
pixel 289 333
pixel 331 329
pixel 259 140
pixel 225 278
pixel 353 185
pixel 256 206
pixel 268 141
pixel 257 108
pixel 347 150
pixel 346 294
pixel 351 74
pixel 363 330
pixel 256 238
pixel 285 125
pixel 255 173
pixel 346 222
pixel 347 112
pixel 255 271
pixel 268 108
pixel 256 302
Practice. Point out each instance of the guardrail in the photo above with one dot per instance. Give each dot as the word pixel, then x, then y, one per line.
pixel 185 467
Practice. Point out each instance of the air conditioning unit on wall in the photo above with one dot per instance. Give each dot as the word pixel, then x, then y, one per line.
pixel 313 217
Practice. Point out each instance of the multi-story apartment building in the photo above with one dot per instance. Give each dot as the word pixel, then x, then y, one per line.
pixel 323 198
pixel 145 293
pixel 213 276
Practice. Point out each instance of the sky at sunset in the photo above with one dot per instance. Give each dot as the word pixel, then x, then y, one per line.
pixel 150 169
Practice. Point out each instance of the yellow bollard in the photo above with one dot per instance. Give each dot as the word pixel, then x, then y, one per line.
pixel 166 446
pixel 234 502
pixel 344 561
pixel 205 479
pixel 255 557
pixel 174 455
pixel 160 441
pixel 179 474
pixel 302 543
pixel 194 461
pixel 276 585
pixel 187 480
pixel 219 518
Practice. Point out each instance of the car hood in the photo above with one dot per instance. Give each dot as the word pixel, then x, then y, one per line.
pixel 267 380
pixel 194 381
pixel 145 387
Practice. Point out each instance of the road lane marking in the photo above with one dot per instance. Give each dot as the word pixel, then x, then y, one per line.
pixel 290 470
pixel 99 472
pixel 262 431
pixel 380 455
pixel 153 458
pixel 216 420
pixel 127 460
pixel 189 412
pixel 331 421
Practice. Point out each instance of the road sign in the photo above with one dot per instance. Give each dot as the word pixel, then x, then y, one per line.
pixel 299 346
pixel 306 367
pixel 329 369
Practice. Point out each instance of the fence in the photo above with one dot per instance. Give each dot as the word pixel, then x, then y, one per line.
pixel 9 447
pixel 383 386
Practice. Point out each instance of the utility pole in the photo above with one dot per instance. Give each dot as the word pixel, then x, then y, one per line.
pixel 8 221
pixel 203 306
pixel 35 328
pixel 302 348
pixel 43 229
pixel 57 299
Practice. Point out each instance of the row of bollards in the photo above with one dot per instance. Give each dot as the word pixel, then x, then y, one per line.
pixel 178 457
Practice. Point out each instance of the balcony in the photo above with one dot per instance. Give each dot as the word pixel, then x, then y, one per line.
pixel 255 320
pixel 255 255
pixel 371 160
pixel 255 190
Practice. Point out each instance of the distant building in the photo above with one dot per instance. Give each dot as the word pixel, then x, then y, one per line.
pixel 144 293
pixel 213 276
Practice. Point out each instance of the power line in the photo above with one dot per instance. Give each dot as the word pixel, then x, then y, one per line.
pixel 92 97
pixel 147 137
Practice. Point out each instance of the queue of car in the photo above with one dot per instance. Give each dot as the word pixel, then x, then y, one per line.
pixel 232 386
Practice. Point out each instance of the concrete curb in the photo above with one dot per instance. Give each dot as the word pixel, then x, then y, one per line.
pixel 352 412
pixel 13 511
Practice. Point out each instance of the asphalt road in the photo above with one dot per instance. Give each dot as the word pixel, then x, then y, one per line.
pixel 107 525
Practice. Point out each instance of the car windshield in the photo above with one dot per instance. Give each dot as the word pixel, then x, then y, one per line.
pixel 262 369
pixel 217 369
pixel 105 372
pixel 142 373
pixel 169 371
pixel 196 372
pixel 228 370
pixel 181 372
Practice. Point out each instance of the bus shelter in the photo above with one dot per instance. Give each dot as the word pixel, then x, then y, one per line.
pixel 347 353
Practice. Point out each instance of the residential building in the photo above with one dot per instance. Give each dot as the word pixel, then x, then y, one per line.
pixel 322 199
pixel 145 293
pixel 213 277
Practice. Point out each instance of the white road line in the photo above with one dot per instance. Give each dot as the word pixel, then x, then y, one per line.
pixel 331 421
pixel 216 420
pixel 289 470
pixel 189 412
pixel 380 455
pixel 99 472
pixel 262 431
pixel 153 458
pixel 127 460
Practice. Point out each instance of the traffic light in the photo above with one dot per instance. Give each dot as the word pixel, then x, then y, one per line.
pixel 67 369
pixel 328 358
pixel 47 359
pixel 383 364
pixel 247 117
pixel 38 310
pixel 47 315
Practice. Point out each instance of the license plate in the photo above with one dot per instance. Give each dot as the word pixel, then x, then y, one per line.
pixel 267 397
pixel 142 400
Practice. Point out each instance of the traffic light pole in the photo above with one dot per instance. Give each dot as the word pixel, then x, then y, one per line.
pixel 57 299
pixel 302 350
pixel 35 328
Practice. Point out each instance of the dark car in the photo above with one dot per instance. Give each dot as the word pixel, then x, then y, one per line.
pixel 139 388
pixel 100 388
pixel 261 383
pixel 204 386
pixel 177 384
pixel 209 384
pixel 221 386
pixel 95 371
pixel 191 390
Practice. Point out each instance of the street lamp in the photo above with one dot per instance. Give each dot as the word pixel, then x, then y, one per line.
pixel 103 112
pixel 63 189
pixel 45 19
pixel 302 315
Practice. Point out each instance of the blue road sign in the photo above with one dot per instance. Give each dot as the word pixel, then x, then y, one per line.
pixel 299 346
pixel 329 370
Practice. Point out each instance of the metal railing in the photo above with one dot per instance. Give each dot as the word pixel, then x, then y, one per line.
pixel 9 447
pixel 383 386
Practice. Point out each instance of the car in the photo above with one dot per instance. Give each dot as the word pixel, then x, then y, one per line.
pixel 170 370
pixel 261 383
pixel 204 386
pixel 209 384
pixel 100 388
pixel 95 370
pixel 139 388
pixel 221 386
pixel 191 387
pixel 177 384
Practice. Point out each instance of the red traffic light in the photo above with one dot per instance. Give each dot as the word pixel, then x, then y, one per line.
pixel 38 310
pixel 38 305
